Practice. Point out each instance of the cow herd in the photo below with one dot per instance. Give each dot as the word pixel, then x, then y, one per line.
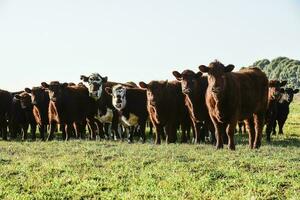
pixel 209 103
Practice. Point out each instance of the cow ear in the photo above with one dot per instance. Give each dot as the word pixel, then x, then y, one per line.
pixel 64 85
pixel 84 78
pixel 143 85
pixel 104 79
pixel 44 85
pixel 296 91
pixel 204 69
pixel 177 75
pixel 108 90
pixel 229 68
pixel 198 74
pixel 27 90
pixel 17 96
pixel 283 83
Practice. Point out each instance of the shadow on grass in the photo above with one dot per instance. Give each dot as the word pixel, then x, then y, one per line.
pixel 292 141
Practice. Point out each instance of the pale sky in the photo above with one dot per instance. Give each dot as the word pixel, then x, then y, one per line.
pixel 136 40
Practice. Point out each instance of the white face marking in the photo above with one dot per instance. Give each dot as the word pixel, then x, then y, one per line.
pixel 131 121
pixel 284 97
pixel 107 118
pixel 95 80
pixel 119 97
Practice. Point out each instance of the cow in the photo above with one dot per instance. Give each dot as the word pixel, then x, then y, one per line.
pixel 132 106
pixel 22 115
pixel 107 114
pixel 275 91
pixel 5 110
pixel 194 87
pixel 40 101
pixel 166 108
pixel 234 96
pixel 283 108
pixel 67 106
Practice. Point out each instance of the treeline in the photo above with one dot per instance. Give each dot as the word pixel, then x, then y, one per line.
pixel 281 68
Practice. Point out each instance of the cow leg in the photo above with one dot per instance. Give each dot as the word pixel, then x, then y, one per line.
pixel 274 127
pixel 219 132
pixel 280 125
pixel 259 121
pixel 33 131
pixel 251 131
pixel 24 130
pixel 142 129
pixel 230 134
pixel 196 136
pixel 159 130
pixel 53 127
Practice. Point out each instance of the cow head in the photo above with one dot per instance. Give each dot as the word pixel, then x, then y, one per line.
pixel 216 76
pixel 275 89
pixel 25 100
pixel 118 93
pixel 95 82
pixel 38 95
pixel 56 90
pixel 188 79
pixel 288 95
pixel 155 91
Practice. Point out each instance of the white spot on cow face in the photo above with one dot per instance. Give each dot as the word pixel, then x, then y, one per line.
pixel 284 97
pixel 131 121
pixel 95 85
pixel 119 97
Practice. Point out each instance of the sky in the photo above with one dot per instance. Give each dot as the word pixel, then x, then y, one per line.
pixel 136 40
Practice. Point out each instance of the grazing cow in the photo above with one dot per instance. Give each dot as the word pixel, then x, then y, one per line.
pixel 132 106
pixel 234 96
pixel 40 100
pixel 194 87
pixel 273 98
pixel 166 108
pixel 283 108
pixel 22 115
pixel 5 105
pixel 67 106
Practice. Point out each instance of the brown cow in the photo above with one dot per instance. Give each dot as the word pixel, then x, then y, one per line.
pixel 40 101
pixel 233 96
pixel 273 99
pixel 166 108
pixel 194 87
pixel 67 106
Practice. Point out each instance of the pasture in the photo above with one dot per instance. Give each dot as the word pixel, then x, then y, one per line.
pixel 117 170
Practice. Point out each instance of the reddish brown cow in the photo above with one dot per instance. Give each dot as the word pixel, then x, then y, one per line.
pixel 166 108
pixel 273 98
pixel 233 96
pixel 40 101
pixel 194 87
pixel 67 106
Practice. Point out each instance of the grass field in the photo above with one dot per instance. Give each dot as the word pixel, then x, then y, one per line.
pixel 116 170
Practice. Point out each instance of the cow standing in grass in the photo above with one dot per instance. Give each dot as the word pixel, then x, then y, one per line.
pixel 132 106
pixel 166 108
pixel 194 87
pixel 40 101
pixel 5 110
pixel 67 106
pixel 234 96
pixel 283 108
pixel 275 92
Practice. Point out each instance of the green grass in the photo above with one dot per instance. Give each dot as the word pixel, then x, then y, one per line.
pixel 116 170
